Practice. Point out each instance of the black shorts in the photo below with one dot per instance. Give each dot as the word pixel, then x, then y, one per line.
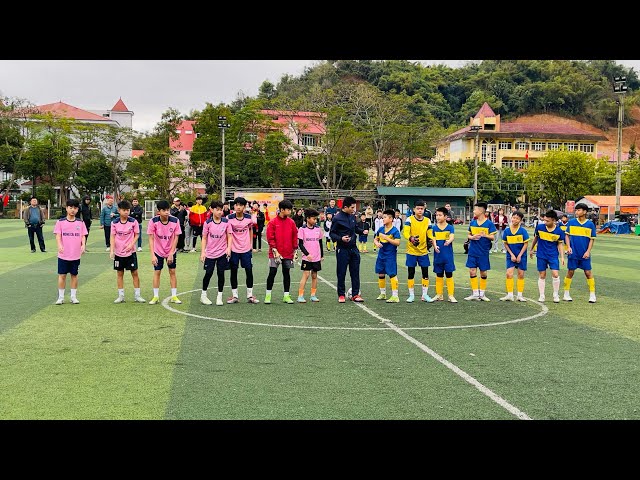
pixel 222 262
pixel 125 263
pixel 311 266
pixel 161 262
pixel 68 266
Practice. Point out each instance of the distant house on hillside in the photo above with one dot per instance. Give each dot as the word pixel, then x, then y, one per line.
pixel 304 129
pixel 514 145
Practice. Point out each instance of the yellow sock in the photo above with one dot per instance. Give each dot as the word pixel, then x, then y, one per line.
pixel 592 285
pixel 520 285
pixel 474 283
pixel 301 292
pixel 510 285
pixel 411 282
pixel 439 285
pixel 394 284
pixel 382 283
pixel 567 283
pixel 425 282
pixel 313 292
pixel 483 284
pixel 450 286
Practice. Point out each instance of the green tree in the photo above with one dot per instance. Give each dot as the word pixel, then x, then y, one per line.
pixel 604 180
pixel 94 175
pixel 560 176
pixel 631 177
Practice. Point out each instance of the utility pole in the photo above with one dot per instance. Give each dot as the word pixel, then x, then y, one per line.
pixel 620 88
pixel 223 125
pixel 475 128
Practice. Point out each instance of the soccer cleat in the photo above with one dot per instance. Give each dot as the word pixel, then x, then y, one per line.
pixel 219 301
pixel 438 298
pixel 175 299
pixel 452 299
pixel 119 300
pixel 541 298
pixel 154 300
pixel 108 249
pixel 341 299
pixel 233 300
pixel 139 249
pixel 253 299
pixel 267 298
pixel 75 300
pixel 393 299
pixel 301 299
pixel 521 298
pixel 427 298
pixel 357 299
pixel 314 299
pixel 139 300
pixel 484 299
pixel 567 297
pixel 205 300
pixel 592 298
pixel 286 299
pixel 556 298
pixel 382 296
pixel 60 301
pixel 411 299
pixel 33 251
pixel 508 298
pixel 472 297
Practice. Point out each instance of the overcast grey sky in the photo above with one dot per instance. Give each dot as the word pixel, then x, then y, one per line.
pixel 149 87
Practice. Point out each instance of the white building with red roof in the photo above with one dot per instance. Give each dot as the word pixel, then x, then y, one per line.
pixel 304 129
pixel 513 144
pixel 183 147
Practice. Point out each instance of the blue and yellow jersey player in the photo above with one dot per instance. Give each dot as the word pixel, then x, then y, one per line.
pixel 481 235
pixel 550 239
pixel 516 240
pixel 387 239
pixel 581 233
pixel 443 235
pixel 417 228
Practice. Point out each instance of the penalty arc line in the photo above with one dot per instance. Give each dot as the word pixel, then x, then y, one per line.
pixel 458 371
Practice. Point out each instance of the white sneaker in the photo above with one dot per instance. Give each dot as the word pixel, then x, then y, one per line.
pixel 60 301
pixel 567 297
pixel 108 249
pixel 139 249
pixel 438 298
pixel 521 298
pixel 508 298
pixel 411 299
pixel 452 299
pixel 541 298
pixel 205 300
pixel 119 300
pixel 219 301
pixel 592 298
pixel 556 299
pixel 74 300
pixel 139 300
pixel 484 298
pixel 472 297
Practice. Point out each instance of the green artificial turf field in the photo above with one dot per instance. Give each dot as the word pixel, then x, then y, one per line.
pixel 97 360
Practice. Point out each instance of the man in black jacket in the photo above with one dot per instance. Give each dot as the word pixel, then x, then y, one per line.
pixel 137 212
pixel 86 216
pixel 343 232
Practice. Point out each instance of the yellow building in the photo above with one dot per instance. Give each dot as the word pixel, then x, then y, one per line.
pixel 514 145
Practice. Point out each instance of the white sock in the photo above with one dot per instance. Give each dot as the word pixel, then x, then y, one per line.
pixel 156 292
pixel 476 293
pixel 383 291
pixel 268 292
pixel 174 292
pixel 556 285
pixel 286 293
pixel 394 293
pixel 219 295
pixel 249 292
pixel 481 293
pixel 61 293
pixel 121 292
pixel 234 292
pixel 541 283
pixel 73 292
pixel 411 292
pixel 136 292
pixel 424 291
pixel 204 293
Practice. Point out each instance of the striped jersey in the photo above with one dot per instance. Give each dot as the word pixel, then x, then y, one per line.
pixel 481 247
pixel 580 235
pixel 515 240
pixel 548 241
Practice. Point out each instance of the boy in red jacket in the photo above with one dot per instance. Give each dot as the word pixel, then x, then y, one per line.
pixel 282 236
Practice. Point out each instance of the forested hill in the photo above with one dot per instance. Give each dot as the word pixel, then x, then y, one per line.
pixel 439 94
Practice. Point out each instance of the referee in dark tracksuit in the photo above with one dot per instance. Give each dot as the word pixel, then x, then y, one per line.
pixel 343 233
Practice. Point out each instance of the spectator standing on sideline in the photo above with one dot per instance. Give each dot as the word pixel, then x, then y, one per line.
pixel 86 216
pixel 332 209
pixel 136 213
pixel 187 229
pixel 197 217
pixel 450 218
pixel 259 228
pixel 368 214
pixel 397 221
pixel 33 217
pixel 343 232
pixel 4 202
pixel 267 217
pixel 298 218
pixel 175 208
pixel 107 214
pixel 500 222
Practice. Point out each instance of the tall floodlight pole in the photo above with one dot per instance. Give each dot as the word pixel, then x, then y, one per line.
pixel 223 125
pixel 620 88
pixel 475 128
